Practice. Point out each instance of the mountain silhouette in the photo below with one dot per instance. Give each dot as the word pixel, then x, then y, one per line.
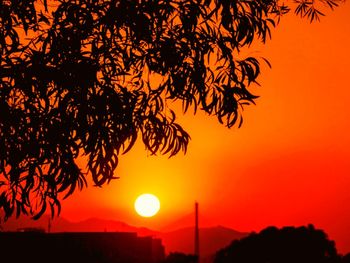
pixel 187 221
pixel 60 224
pixel 181 240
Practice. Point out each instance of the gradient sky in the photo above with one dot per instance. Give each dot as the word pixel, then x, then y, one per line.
pixel 288 165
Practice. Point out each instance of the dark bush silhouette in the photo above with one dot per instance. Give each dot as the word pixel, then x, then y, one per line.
pixel 346 258
pixel 287 245
pixel 88 77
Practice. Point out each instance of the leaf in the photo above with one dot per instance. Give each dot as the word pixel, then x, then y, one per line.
pixel 42 210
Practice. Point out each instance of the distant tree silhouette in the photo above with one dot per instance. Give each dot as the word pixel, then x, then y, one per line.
pixel 180 258
pixel 88 77
pixel 287 245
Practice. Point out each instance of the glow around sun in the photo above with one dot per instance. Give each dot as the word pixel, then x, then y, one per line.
pixel 147 205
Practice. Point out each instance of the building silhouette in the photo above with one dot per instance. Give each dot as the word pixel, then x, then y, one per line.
pixel 74 247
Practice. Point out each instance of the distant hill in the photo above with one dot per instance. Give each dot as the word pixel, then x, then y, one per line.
pixel 187 221
pixel 181 240
pixel 60 224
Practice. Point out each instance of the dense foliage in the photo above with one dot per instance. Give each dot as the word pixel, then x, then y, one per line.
pixel 288 245
pixel 88 77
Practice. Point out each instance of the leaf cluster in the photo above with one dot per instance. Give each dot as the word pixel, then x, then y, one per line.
pixel 312 9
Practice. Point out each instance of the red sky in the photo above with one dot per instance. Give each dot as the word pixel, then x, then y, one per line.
pixel 289 163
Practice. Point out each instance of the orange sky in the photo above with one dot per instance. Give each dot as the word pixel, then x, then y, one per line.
pixel 288 165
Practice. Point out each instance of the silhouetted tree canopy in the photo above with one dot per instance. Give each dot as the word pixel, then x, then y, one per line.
pixel 346 258
pixel 89 77
pixel 287 245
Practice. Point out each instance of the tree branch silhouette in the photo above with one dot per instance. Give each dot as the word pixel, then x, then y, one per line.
pixel 90 77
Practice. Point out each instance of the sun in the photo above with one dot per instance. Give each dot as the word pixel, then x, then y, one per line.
pixel 147 205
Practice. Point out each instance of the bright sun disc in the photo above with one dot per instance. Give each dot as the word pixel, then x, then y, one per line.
pixel 147 205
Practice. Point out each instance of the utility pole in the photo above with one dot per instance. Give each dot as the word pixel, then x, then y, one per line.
pixel 196 233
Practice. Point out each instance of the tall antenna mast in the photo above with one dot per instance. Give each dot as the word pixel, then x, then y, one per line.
pixel 196 232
